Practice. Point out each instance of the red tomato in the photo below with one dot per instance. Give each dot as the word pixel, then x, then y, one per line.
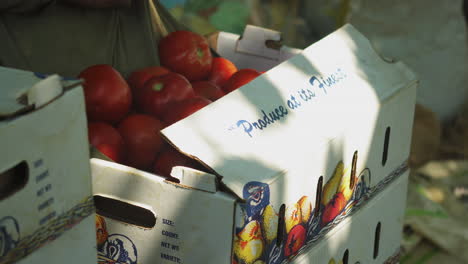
pixel 107 140
pixel 159 92
pixel 182 109
pixel 137 79
pixel 239 79
pixel 187 53
pixel 107 95
pixel 208 90
pixel 169 158
pixel 142 138
pixel 221 70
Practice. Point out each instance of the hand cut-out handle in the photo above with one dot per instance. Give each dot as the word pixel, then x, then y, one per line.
pixel 124 212
pixel 14 179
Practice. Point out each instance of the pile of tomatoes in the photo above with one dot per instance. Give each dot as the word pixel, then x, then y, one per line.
pixel 126 115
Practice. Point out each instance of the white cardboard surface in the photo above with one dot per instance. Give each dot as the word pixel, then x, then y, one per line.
pixel 54 203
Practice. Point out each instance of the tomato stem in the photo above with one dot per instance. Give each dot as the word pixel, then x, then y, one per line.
pixel 158 87
pixel 199 53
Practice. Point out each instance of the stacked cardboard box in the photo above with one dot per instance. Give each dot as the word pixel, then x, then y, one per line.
pixel 308 164
pixel 46 206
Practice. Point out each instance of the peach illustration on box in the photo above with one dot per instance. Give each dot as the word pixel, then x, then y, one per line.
pixel 248 244
pixel 296 239
pixel 274 235
pixel 113 248
pixel 336 193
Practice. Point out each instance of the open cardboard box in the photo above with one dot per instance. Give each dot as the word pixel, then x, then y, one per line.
pixel 46 206
pixel 310 155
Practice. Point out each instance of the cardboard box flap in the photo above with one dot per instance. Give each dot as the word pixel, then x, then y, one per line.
pixel 254 41
pixel 24 90
pixel 257 48
pixel 194 178
pixel 293 113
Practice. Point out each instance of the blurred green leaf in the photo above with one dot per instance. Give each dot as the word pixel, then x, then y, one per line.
pixel 198 24
pixel 177 12
pixel 194 6
pixel 231 16
pixel 192 21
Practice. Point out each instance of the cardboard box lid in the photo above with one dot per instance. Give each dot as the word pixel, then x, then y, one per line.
pixel 268 126
pixel 23 90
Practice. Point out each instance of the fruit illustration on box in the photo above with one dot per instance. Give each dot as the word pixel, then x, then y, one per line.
pixel 101 231
pixel 336 193
pixel 333 208
pixel 305 205
pixel 332 261
pixel 275 254
pixel 362 185
pixel 292 217
pixel 260 239
pixel 118 249
pixel 345 185
pixel 248 244
pixel 296 239
pixel 331 187
pixel 269 224
pixel 257 196
pixel 113 248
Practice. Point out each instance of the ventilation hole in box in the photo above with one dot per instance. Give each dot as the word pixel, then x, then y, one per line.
pixel 377 240
pixel 318 196
pixel 13 179
pixel 281 225
pixel 124 212
pixel 345 257
pixel 353 170
pixel 386 144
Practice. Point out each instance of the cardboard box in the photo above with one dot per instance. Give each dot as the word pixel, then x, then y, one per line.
pixel 295 153
pixel 149 220
pixel 365 237
pixel 46 207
